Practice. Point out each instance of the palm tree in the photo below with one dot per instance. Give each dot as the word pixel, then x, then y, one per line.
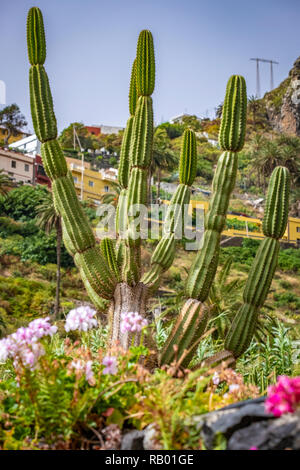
pixel 49 220
pixel 113 196
pixel 219 110
pixel 5 183
pixel 253 105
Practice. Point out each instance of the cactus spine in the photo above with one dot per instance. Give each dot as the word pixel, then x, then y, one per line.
pixel 264 264
pixel 78 235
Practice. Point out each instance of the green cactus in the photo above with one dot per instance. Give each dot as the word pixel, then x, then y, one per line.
pixel 164 253
pixel 36 37
pixel 77 234
pixel 233 125
pixel 113 273
pixel 264 264
pixel 189 327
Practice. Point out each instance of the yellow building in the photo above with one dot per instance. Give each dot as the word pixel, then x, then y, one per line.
pixel 252 227
pixel 248 227
pixel 91 184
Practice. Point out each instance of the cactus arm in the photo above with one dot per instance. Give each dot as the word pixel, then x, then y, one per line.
pixel 140 152
pixel 231 139
pixel 264 264
pixel 109 253
pixel 204 267
pixel 189 326
pixel 164 253
pixel 233 123
pixel 78 235
pixel 36 37
pixel 123 173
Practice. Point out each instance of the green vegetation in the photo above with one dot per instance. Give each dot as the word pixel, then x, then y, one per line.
pixel 173 328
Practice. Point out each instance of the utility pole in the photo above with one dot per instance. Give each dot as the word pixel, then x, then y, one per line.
pixel 271 62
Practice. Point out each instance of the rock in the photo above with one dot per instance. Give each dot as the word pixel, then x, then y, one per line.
pixel 229 420
pixel 150 442
pixel 133 440
pixel 277 434
pixel 283 103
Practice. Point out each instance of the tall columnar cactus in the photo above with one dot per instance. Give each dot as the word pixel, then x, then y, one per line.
pixel 164 253
pixel 78 235
pixel 115 272
pixel 264 265
pixel 140 154
pixel 203 270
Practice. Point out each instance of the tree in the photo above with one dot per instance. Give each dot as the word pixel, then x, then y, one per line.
pixel 113 196
pixel 12 120
pixel 192 122
pixel 67 137
pixel 5 183
pixel 253 106
pixel 48 220
pixel 21 202
pixel 219 110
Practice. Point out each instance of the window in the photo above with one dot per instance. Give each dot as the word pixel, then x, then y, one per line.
pixel 26 166
pixel 298 229
pixel 91 184
pixel 106 189
pixel 41 171
pixel 13 164
pixel 75 179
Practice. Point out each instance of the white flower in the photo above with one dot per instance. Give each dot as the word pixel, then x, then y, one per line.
pixel 81 319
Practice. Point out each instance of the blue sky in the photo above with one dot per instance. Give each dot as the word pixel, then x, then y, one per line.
pixel 198 44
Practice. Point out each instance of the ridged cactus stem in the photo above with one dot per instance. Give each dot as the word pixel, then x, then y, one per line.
pixel 203 270
pixel 140 153
pixel 189 327
pixel 263 268
pixel 77 233
pixel 164 252
pixel 231 140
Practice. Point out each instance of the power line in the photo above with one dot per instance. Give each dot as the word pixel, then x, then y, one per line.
pixel 271 62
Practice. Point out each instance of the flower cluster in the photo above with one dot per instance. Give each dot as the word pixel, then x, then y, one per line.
pixel 23 346
pixel 110 363
pixel 81 319
pixel 132 322
pixel 284 397
pixel 86 368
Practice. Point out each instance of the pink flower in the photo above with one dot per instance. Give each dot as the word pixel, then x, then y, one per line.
pixel 284 397
pixel 216 378
pixel 253 448
pixel 81 319
pixel 132 322
pixel 85 367
pixel 89 374
pixel 23 346
pixel 110 363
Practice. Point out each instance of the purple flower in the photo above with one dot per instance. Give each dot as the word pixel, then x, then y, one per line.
pixel 132 322
pixel 110 363
pixel 81 319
